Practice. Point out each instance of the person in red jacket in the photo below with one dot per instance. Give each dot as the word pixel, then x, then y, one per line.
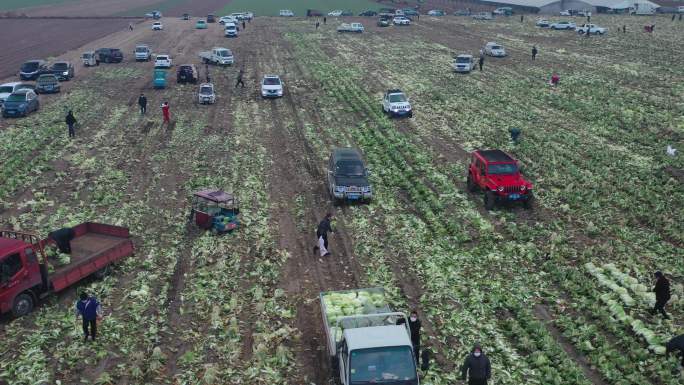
pixel 165 112
pixel 555 79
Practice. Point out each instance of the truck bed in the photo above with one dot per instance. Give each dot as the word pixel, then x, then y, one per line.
pixel 94 247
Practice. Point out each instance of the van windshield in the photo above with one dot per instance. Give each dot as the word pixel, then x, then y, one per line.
pixel 463 60
pixel 394 364
pixel 140 49
pixel 271 81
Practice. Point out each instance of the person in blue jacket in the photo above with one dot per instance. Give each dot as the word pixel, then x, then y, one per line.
pixel 89 309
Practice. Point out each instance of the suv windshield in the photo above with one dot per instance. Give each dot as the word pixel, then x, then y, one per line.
pixel 16 98
pixel 350 168
pixel 387 364
pixel 271 81
pixel 397 98
pixel 29 67
pixel 205 90
pixel 46 78
pixel 162 57
pixel 503 168
pixel 463 60
pixel 496 47
pixel 6 90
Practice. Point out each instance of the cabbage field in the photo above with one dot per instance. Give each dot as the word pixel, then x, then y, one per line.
pixel 557 295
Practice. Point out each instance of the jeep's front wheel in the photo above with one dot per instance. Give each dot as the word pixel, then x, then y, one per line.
pixel 471 185
pixel 529 202
pixel 489 200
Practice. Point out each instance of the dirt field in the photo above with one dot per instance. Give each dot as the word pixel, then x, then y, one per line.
pixel 212 306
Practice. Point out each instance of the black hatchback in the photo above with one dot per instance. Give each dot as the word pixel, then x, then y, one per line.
pixel 187 73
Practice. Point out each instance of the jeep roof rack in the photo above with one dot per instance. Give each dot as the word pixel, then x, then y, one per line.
pixel 495 156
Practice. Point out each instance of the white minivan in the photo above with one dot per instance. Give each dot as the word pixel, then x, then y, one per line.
pixel 231 30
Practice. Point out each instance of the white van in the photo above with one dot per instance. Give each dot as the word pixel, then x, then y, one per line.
pixel 286 13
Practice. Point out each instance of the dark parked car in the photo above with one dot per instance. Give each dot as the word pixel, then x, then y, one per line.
pixel 109 55
pixel 32 69
pixel 63 70
pixel 186 16
pixel 187 73
pixel 313 13
pixel 348 176
pixel 347 13
pixel 20 103
pixel 368 13
pixel 47 84
pixel 211 18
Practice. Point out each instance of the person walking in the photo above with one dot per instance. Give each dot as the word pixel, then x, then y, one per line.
pixel 243 25
pixel 534 52
pixel 325 19
pixel 481 61
pixel 476 368
pixel 130 26
pixel 624 28
pixel 317 24
pixel 71 123
pixel 142 102
pixel 662 294
pixel 673 16
pixel 89 309
pixel 166 113
pixel 680 17
pixel 414 327
pixel 239 78
pixel 675 344
pixel 521 18
pixel 324 227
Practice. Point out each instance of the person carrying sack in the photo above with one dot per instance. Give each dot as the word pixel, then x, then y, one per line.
pixel 322 235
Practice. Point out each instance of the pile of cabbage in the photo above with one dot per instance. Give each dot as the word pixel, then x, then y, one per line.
pixel 353 303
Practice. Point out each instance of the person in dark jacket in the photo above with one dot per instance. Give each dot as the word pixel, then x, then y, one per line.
pixel 71 122
pixel 243 25
pixel 675 344
pixel 239 78
pixel 323 229
pixel 534 52
pixel 89 309
pixel 63 238
pixel 476 367
pixel 414 326
pixel 325 20
pixel 662 293
pixel 142 102
pixel 481 61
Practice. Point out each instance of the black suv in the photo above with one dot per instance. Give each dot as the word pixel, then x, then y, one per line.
pixel 211 18
pixel 348 176
pixel 187 73
pixel 109 55
pixel 32 69
pixel 63 70
pixel 368 13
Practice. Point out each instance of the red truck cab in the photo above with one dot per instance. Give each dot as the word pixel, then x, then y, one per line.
pixel 498 175
pixel 24 272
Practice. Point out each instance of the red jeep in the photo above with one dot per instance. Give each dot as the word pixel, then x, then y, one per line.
pixel 497 174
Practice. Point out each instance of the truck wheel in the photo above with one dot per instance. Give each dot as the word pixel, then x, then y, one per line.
pixel 489 200
pixel 472 187
pixel 23 304
pixel 529 202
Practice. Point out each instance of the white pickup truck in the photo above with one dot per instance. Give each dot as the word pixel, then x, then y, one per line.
pixel 218 55
pixel 142 53
pixel 365 344
pixel 592 29
pixel 350 27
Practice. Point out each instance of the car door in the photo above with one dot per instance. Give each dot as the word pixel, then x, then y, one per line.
pixel 33 101
pixel 385 102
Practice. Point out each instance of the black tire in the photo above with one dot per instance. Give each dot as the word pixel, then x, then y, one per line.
pixel 489 200
pixel 529 202
pixel 410 115
pixel 23 304
pixel 472 187
pixel 581 32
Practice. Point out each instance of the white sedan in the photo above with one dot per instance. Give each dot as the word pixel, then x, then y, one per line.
pixel 157 26
pixel 401 20
pixel 271 87
pixel 494 49
pixel 563 25
pixel 162 61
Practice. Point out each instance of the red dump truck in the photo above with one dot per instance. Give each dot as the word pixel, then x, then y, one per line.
pixel 27 275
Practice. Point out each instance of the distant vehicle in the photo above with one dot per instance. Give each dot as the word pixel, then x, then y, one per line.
pixel 231 30
pixel 494 49
pixel 497 174
pixel 211 18
pixel 350 27
pixel 464 63
pixel 47 84
pixel 153 15
pixel 20 103
pixel 581 13
pixel 680 9
pixel 436 12
pixel 8 88
pixel 159 78
pixel 109 55
pixel 395 103
pixel 162 61
pixel 566 13
pixel 64 70
pixel 313 13
pixel 200 24
pixel 483 16
pixel 217 55
pixel 157 26
pixel 503 11
pixel 591 29
pixel 643 9
pixel 462 12
pixel 286 13
pixel 239 16
pixel 348 176
pixel 143 52
pixel 347 13
pixel 187 73
pixel 90 59
pixel 228 19
pixel 388 13
pixel 248 15
pixel 25 277
pixel 401 20
pixel 409 12
pixel 186 16
pixel 31 69
pixel 384 22
pixel 543 23
pixel 563 25
pixel 271 86
pixel 206 94
pixel 368 13
pixel 335 13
